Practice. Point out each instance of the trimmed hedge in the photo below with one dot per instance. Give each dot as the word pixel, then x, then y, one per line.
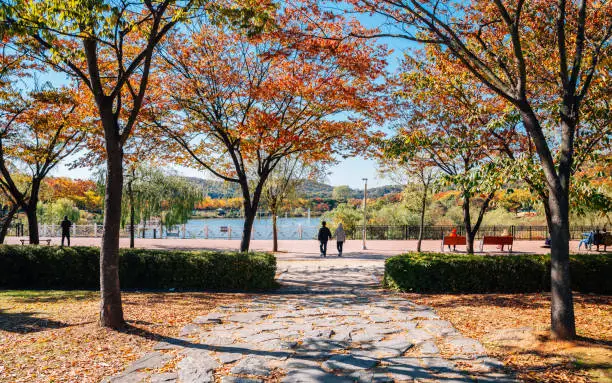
pixel 49 267
pixel 457 273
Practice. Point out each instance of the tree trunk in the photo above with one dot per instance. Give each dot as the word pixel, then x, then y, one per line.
pixel 249 218
pixel 132 213
pixel 422 222
pixel 250 208
pixel 562 307
pixel 111 311
pixel 274 232
pixel 30 211
pixel 467 223
pixel 557 214
pixel 6 222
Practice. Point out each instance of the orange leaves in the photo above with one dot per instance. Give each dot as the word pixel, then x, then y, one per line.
pixel 271 95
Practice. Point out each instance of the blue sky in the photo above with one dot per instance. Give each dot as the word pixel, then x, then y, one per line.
pixel 348 171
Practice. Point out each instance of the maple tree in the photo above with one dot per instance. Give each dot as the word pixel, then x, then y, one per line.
pixel 527 52
pixel 38 129
pixel 84 193
pixel 264 98
pixel 108 47
pixel 444 113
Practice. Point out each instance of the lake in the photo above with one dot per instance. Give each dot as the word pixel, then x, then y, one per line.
pixel 288 228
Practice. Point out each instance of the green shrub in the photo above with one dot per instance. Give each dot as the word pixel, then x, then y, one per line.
pixel 47 267
pixel 456 273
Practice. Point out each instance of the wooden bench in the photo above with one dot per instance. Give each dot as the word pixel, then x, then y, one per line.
pixel 500 240
pixel 453 241
pixel 23 241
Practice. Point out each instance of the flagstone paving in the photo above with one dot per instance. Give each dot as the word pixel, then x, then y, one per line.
pixel 325 324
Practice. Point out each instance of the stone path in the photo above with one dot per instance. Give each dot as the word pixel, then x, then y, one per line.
pixel 326 324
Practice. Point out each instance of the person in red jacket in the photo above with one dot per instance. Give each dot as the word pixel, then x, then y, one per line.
pixel 453 233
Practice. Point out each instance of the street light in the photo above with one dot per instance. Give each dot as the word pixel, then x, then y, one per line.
pixel 365 201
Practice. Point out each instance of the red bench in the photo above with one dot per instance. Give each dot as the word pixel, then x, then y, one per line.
pixel 501 240
pixel 453 241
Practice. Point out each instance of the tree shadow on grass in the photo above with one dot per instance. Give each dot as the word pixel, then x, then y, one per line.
pixel 27 322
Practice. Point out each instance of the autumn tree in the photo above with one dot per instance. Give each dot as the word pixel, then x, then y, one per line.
pixel 268 97
pixel 524 51
pixel 38 129
pixel 443 118
pixel 108 47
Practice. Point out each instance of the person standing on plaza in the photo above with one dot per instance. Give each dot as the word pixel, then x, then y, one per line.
pixel 340 238
pixel 66 225
pixel 324 236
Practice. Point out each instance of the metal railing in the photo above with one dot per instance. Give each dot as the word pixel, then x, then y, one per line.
pixel 288 232
pixel 410 232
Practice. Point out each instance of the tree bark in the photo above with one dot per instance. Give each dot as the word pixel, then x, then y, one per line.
pixel 274 232
pixel 249 218
pixel 6 222
pixel 562 307
pixel 422 222
pixel 563 325
pixel 467 223
pixel 250 208
pixel 132 213
pixel 32 217
pixel 111 311
pixel 31 213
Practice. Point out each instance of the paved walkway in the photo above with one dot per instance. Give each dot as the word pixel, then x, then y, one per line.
pixel 305 249
pixel 329 322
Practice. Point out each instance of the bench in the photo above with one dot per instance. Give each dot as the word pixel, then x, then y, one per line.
pixel 171 234
pixel 501 240
pixel 453 241
pixel 23 241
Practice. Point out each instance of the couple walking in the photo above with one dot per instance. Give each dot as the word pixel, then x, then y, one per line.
pixel 325 235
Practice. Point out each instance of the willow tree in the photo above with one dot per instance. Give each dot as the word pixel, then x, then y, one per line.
pixel 151 193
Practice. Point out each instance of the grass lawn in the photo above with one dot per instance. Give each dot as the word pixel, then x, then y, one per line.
pixel 53 336
pixel 514 328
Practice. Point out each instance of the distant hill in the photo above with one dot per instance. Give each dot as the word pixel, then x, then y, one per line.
pixel 217 189
pixel 309 189
pixel 314 189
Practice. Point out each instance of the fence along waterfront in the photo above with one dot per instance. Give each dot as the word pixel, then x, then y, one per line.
pixel 306 232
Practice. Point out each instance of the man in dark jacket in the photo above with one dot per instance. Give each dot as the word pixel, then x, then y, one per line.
pixel 66 225
pixel 324 236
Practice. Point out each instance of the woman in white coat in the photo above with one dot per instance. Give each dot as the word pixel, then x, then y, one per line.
pixel 340 238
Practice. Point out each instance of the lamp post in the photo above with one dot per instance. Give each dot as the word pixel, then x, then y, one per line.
pixel 365 202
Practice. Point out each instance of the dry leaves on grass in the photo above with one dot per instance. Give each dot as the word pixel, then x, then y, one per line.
pixel 514 328
pixel 54 336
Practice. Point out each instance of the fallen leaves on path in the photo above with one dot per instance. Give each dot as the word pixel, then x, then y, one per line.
pixel 54 336
pixel 514 328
